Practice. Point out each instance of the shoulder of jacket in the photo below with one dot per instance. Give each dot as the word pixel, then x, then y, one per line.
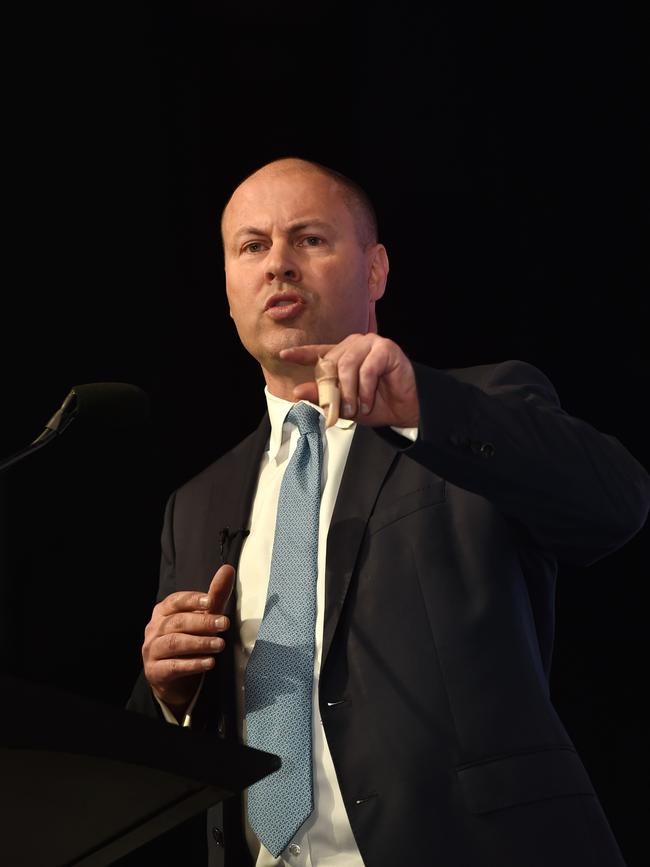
pixel 512 372
pixel 224 464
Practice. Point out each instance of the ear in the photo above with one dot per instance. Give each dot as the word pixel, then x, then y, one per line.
pixel 377 272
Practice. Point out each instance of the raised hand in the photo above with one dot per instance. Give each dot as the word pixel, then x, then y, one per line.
pixel 182 638
pixel 376 379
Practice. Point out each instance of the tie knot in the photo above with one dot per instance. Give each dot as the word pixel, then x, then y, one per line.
pixel 305 417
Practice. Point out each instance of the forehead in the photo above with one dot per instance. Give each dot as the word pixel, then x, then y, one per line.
pixel 274 199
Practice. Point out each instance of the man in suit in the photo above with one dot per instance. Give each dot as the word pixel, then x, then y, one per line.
pixel 447 499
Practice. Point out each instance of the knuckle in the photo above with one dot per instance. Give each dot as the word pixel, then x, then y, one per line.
pixel 170 601
pixel 174 642
pixel 151 630
pixel 151 673
pixel 173 623
pixel 148 648
pixel 192 601
pixel 177 601
pixel 346 362
pixel 177 604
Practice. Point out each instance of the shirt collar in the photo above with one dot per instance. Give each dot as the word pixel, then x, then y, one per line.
pixel 278 409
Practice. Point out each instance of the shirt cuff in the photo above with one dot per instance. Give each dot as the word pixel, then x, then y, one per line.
pixel 411 433
pixel 187 719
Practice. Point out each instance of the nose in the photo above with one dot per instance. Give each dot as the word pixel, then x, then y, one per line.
pixel 281 265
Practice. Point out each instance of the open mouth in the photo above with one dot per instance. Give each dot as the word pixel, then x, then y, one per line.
pixel 284 305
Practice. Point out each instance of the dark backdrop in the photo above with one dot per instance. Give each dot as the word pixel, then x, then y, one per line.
pixel 505 156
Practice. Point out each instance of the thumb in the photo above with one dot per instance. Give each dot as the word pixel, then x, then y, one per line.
pixel 220 589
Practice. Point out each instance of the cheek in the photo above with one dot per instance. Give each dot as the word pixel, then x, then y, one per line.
pixel 346 289
pixel 238 291
pixel 343 278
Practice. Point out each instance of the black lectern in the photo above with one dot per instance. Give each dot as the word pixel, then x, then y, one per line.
pixel 83 784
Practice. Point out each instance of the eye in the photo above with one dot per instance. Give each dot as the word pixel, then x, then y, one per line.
pixel 312 241
pixel 253 247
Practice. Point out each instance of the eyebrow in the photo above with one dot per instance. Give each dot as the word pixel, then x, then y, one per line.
pixel 293 228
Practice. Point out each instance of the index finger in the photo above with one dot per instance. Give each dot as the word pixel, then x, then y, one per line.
pixel 183 600
pixel 307 354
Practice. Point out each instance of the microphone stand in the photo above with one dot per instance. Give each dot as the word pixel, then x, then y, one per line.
pixel 55 426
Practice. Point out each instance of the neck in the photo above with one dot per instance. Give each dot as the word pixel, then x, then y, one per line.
pixel 281 383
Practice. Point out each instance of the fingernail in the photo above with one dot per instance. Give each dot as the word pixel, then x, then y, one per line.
pixel 208 662
pixel 347 409
pixel 220 622
pixel 203 601
pixel 216 643
pixel 365 409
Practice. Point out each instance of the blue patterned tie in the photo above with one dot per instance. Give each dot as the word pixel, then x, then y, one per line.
pixel 279 674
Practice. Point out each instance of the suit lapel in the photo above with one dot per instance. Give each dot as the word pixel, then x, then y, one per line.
pixel 228 510
pixel 368 462
pixel 231 500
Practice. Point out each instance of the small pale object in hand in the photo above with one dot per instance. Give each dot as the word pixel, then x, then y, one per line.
pixel 329 396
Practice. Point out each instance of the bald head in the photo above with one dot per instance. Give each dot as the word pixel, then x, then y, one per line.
pixel 354 197
pixel 299 269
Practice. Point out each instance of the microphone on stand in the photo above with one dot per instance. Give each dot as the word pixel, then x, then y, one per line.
pixel 116 404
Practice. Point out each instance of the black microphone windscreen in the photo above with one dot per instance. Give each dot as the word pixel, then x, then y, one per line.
pixel 114 403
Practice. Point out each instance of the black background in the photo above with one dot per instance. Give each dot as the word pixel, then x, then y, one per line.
pixel 505 155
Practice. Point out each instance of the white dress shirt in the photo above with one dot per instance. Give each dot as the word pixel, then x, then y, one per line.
pixel 325 839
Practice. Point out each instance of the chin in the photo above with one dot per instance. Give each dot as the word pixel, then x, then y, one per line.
pixel 288 338
pixel 269 355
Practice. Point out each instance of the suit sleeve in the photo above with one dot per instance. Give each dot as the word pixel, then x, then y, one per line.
pixel 142 699
pixel 577 492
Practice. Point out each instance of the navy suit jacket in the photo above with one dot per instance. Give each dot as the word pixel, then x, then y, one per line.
pixel 438 632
